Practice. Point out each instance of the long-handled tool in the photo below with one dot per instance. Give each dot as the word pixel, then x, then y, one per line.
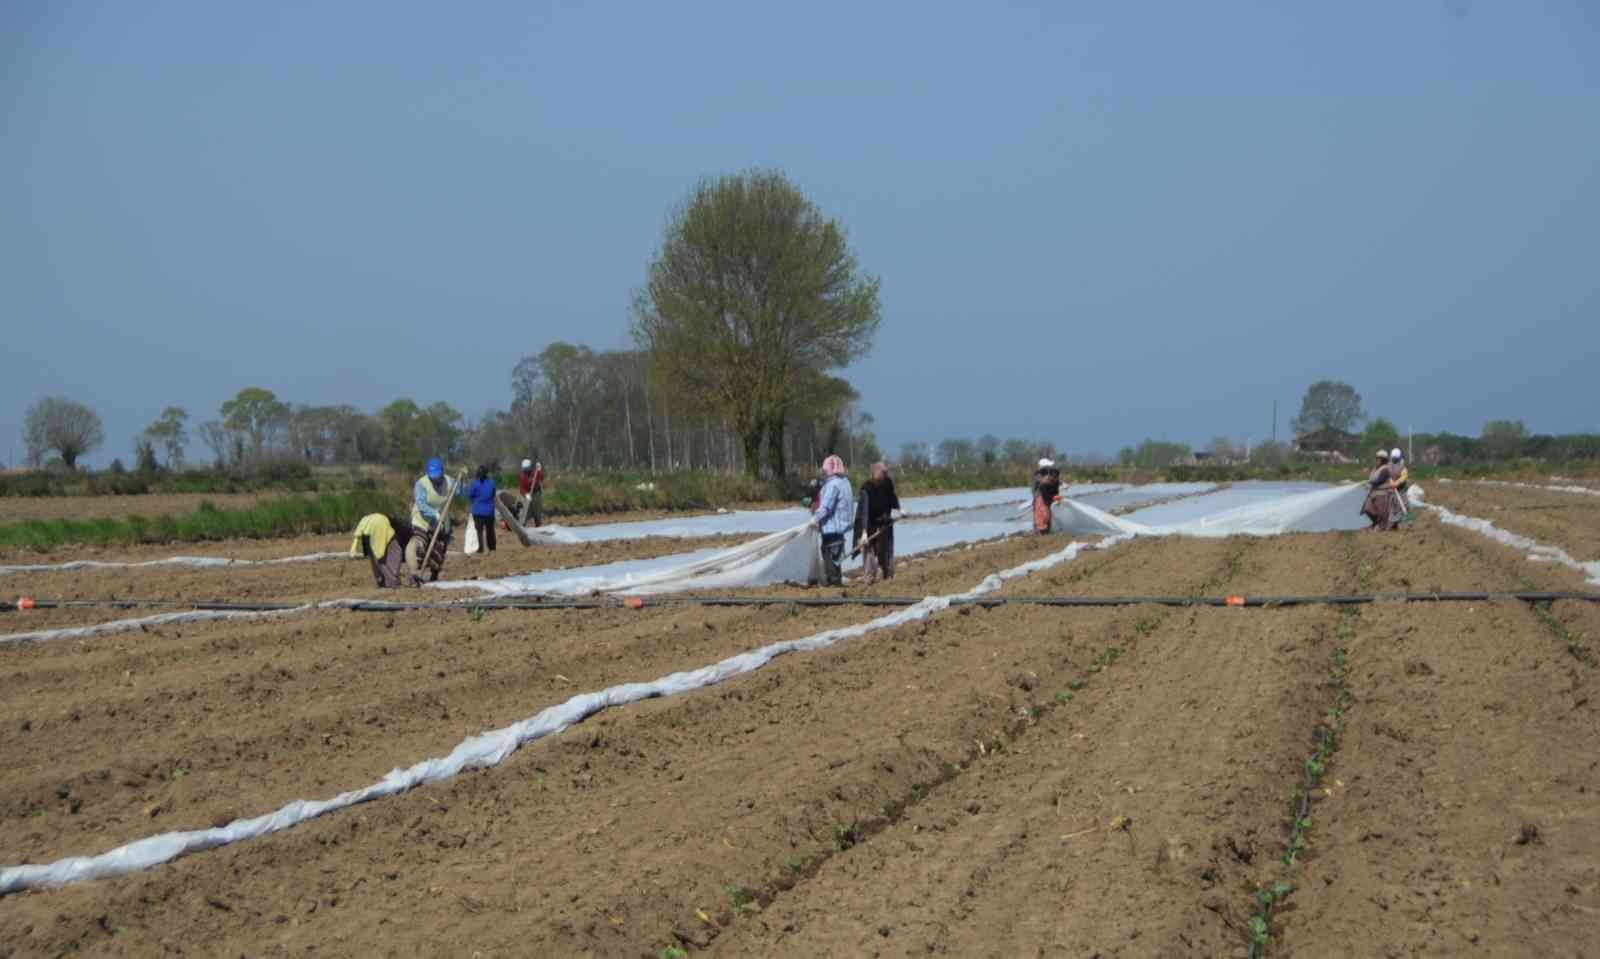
pixel 867 540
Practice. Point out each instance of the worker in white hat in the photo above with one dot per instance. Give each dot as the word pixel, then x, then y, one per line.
pixel 1400 477
pixel 531 485
pixel 1046 491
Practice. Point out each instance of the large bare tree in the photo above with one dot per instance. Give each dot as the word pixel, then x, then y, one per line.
pixel 1329 405
pixel 752 284
pixel 62 426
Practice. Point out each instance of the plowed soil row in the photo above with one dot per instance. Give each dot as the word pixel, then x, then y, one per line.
pixel 1463 815
pixel 1568 520
pixel 905 721
pixel 927 788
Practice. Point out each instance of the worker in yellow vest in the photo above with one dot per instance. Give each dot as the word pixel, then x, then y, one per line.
pixel 429 495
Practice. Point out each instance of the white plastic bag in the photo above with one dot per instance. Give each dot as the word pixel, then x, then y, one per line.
pixel 472 539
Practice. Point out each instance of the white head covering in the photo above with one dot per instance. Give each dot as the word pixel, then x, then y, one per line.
pixel 1395 455
pixel 527 464
pixel 1045 464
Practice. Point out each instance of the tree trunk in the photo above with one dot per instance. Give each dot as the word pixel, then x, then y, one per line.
pixel 752 450
pixel 775 444
pixel 650 426
pixel 666 426
pixel 627 426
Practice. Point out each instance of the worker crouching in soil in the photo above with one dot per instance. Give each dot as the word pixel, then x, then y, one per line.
pixel 1046 491
pixel 382 541
pixel 834 516
pixel 876 512
pixel 430 496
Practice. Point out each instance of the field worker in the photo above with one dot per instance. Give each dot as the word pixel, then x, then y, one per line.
pixel 383 542
pixel 1046 491
pixel 1400 477
pixel 833 516
pixel 481 493
pixel 531 484
pixel 876 511
pixel 1382 505
pixel 428 496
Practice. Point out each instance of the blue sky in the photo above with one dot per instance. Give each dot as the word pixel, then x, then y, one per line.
pixel 1093 222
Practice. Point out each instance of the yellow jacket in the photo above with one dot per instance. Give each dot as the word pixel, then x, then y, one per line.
pixel 376 527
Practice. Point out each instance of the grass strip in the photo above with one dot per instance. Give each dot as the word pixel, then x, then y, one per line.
pixel 268 519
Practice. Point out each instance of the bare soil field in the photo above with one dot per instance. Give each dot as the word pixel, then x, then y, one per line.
pixel 1568 520
pixel 1024 780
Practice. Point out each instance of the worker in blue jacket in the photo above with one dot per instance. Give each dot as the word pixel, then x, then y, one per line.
pixel 481 493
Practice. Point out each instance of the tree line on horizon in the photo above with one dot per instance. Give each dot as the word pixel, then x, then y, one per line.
pixel 753 298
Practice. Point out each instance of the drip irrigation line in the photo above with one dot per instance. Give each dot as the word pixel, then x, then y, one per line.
pixel 385 606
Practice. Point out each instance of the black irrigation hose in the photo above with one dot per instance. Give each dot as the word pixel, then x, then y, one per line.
pixel 987 602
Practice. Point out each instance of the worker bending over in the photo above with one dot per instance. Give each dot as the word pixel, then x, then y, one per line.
pixel 834 516
pixel 428 498
pixel 382 541
pixel 876 511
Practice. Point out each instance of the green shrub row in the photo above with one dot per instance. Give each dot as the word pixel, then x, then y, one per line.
pixel 280 516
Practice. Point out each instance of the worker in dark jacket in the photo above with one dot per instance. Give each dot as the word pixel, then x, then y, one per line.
pixel 481 493
pixel 876 511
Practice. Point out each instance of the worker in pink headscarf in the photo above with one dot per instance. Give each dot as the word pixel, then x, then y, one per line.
pixel 834 515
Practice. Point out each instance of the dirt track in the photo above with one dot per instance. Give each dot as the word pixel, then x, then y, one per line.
pixel 986 783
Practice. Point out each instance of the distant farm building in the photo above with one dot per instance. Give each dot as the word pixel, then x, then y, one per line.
pixel 1327 445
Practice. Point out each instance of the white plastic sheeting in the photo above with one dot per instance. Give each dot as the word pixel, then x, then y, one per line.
pixel 1541 487
pixel 1536 550
pixel 160 619
pixel 747 522
pixel 485 749
pixel 192 561
pixel 1250 509
pixel 957 519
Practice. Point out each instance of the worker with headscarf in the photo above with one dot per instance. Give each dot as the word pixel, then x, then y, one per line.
pixel 1046 491
pixel 1382 505
pixel 834 516
pixel 430 494
pixel 873 535
pixel 531 484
